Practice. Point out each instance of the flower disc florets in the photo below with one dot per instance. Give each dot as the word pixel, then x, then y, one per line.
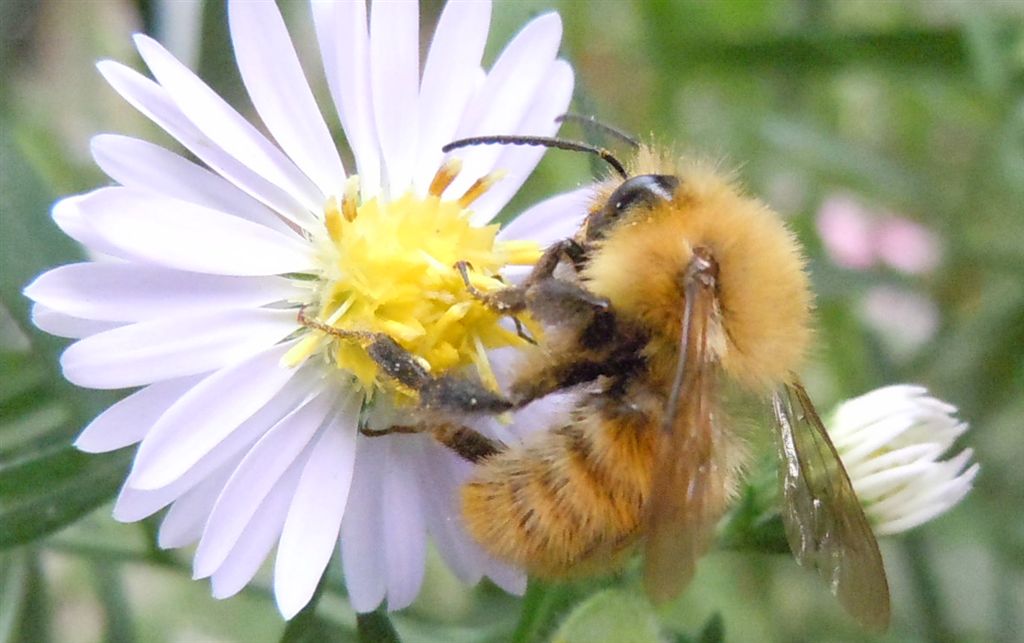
pixel 390 267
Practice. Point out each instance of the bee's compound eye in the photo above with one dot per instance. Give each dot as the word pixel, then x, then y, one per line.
pixel 647 189
pixel 644 190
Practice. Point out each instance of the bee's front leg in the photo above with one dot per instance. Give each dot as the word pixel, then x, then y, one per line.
pixel 513 299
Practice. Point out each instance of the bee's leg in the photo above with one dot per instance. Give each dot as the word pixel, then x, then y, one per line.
pixel 446 392
pixel 552 378
pixel 467 443
pixel 435 392
pixel 513 299
pixel 565 304
pixel 507 301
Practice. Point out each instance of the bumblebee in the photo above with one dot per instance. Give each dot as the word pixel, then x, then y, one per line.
pixel 675 281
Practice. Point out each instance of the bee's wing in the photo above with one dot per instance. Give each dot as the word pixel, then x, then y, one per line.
pixel 688 486
pixel 825 523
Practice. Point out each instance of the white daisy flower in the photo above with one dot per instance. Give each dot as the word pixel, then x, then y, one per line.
pixel 247 419
pixel 891 442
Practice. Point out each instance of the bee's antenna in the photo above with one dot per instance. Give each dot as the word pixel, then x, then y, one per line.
pixel 591 122
pixel 540 141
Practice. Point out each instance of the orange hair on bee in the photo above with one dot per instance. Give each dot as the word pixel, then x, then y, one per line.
pixel 764 291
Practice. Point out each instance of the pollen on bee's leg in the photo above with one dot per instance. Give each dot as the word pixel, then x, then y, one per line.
pixel 445 175
pixel 350 200
pixel 480 186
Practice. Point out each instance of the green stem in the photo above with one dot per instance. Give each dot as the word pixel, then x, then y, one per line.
pixel 926 586
pixel 376 627
pixel 116 610
pixel 541 605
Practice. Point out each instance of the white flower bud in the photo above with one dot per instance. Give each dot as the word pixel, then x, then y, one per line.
pixel 892 441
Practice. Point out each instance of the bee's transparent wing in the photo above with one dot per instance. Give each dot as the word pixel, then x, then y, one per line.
pixel 688 484
pixel 825 524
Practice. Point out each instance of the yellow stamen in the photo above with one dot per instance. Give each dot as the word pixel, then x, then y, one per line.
pixel 519 253
pixel 483 364
pixel 403 333
pixel 388 267
pixel 307 346
pixel 480 186
pixel 350 200
pixel 445 175
pixel 332 219
pixel 483 282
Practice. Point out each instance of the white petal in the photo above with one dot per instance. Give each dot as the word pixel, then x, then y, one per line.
pixel 162 349
pixel 206 415
pixel 277 86
pixel 952 494
pixel 135 163
pixel 362 554
pixel 186 236
pixel 121 291
pixel 183 524
pixel 551 220
pixel 394 78
pixel 252 547
pixel 449 80
pixel 551 100
pixel 283 445
pixel 134 504
pixel 128 421
pixel 509 578
pixel 68 217
pixel 50 321
pixel 404 536
pixel 314 517
pixel 155 102
pixel 224 126
pixel 505 98
pixel 344 43
pixel 441 477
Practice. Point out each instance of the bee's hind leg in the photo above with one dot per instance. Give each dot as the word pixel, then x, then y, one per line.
pixel 467 443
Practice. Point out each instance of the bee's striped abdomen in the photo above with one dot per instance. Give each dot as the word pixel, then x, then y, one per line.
pixel 566 503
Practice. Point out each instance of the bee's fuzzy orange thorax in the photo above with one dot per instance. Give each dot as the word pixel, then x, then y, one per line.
pixel 763 287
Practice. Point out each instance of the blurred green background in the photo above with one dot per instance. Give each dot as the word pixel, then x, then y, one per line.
pixel 914 108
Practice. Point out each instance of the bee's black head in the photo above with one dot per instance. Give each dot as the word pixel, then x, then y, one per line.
pixel 644 191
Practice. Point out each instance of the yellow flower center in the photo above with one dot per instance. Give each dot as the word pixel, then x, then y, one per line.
pixel 389 266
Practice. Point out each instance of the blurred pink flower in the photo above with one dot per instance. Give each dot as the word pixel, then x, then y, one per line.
pixel 907 245
pixel 859 238
pixel 904 320
pixel 845 228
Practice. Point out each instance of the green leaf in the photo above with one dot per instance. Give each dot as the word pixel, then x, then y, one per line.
pixel 612 616
pixel 46 491
pixel 31 241
pixel 24 603
pixel 713 631
pixel 45 483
